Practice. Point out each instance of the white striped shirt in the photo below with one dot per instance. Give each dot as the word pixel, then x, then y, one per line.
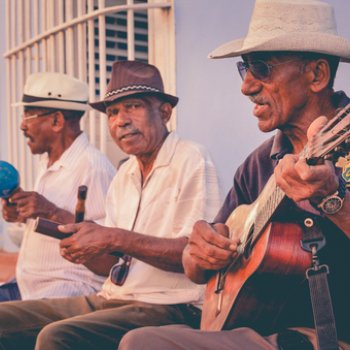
pixel 41 271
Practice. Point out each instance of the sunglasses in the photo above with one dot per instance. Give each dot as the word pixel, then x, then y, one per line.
pixel 259 69
pixel 37 115
pixel 120 271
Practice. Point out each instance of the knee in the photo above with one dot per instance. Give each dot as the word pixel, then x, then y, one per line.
pixel 50 336
pixel 137 339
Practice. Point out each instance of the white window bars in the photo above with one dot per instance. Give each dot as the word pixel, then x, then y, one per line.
pixel 81 38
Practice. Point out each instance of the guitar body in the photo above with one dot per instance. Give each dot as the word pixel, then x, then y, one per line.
pixel 259 284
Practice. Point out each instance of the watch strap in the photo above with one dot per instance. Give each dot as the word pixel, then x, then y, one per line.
pixel 338 195
pixel 341 191
pixel 342 187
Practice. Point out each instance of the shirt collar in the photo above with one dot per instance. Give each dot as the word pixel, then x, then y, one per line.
pixel 340 99
pixel 167 150
pixel 280 146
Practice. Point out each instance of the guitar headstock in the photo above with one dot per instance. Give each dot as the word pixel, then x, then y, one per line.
pixel 333 140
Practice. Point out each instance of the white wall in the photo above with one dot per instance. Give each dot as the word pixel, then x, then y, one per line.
pixel 212 110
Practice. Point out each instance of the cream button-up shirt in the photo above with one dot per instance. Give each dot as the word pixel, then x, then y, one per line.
pixel 181 189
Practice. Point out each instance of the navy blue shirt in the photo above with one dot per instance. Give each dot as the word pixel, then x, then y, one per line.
pixel 249 180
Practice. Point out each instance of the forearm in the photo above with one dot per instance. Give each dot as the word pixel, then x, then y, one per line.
pixel 91 240
pixel 163 253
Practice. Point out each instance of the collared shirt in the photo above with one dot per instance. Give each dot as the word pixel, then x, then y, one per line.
pixel 181 189
pixel 41 271
pixel 249 180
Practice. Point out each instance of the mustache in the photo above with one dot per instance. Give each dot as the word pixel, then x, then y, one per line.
pixel 123 133
pixel 258 100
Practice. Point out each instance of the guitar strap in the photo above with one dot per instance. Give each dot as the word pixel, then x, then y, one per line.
pixel 317 275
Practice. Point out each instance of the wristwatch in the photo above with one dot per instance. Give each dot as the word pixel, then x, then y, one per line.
pixel 334 202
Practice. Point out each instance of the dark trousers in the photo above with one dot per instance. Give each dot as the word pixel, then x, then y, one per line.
pixel 86 322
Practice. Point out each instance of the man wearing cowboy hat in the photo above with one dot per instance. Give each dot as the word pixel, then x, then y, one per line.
pixel 158 193
pixel 53 106
pixel 290 58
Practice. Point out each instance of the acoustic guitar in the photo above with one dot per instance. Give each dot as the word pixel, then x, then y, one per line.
pixel 270 261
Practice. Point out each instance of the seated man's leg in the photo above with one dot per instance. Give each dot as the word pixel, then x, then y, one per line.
pixel 9 291
pixel 180 337
pixel 21 321
pixel 103 329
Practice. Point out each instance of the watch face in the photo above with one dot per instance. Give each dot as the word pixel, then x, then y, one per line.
pixel 332 205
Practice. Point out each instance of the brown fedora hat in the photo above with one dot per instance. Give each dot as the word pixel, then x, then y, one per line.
pixel 133 78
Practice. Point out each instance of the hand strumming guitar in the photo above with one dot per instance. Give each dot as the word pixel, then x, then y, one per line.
pixel 209 249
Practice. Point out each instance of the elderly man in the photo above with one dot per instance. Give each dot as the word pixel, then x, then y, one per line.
pixel 165 186
pixel 260 298
pixel 53 106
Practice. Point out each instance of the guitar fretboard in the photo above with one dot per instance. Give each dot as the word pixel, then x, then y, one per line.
pixel 266 211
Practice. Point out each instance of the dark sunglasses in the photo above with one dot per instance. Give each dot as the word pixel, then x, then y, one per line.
pixel 120 271
pixel 259 69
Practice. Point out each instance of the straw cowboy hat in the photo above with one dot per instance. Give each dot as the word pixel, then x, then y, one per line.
pixel 133 78
pixel 55 90
pixel 289 25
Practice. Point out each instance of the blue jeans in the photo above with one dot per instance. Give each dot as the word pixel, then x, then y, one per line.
pixel 9 291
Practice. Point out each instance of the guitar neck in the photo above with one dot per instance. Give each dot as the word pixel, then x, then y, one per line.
pixel 268 208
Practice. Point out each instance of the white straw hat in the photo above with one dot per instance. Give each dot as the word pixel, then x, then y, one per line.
pixel 55 90
pixel 289 25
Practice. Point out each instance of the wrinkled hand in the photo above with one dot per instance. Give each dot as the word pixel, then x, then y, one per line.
pixel 31 204
pixel 301 181
pixel 209 247
pixel 88 241
pixel 9 212
pixel 9 208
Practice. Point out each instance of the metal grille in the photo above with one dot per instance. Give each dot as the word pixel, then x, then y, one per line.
pixel 81 38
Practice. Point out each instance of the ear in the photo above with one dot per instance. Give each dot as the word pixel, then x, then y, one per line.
pixel 58 121
pixel 165 111
pixel 319 75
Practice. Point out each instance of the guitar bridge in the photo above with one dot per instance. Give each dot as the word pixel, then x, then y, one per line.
pixel 220 283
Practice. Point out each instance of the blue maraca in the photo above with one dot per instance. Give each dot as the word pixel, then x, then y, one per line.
pixel 9 179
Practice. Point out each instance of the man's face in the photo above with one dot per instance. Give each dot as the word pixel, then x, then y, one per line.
pixel 137 125
pixel 37 130
pixel 281 97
